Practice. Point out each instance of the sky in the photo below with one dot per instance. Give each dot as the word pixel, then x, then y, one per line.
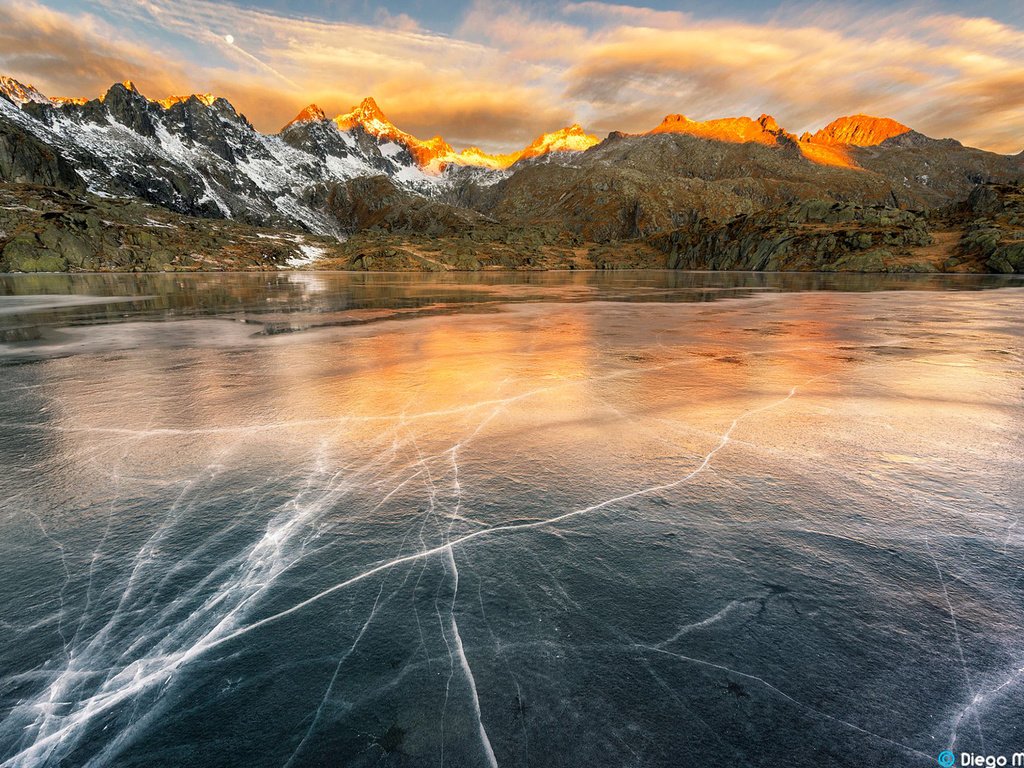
pixel 497 73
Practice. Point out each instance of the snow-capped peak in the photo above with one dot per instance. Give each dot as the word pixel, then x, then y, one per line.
pixel 370 117
pixel 311 114
pixel 570 139
pixel 20 93
pixel 435 154
pixel 430 153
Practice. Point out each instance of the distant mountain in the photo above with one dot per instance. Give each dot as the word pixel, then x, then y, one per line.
pixel 197 155
pixel 18 93
pixel 857 130
pixel 739 130
pixel 436 154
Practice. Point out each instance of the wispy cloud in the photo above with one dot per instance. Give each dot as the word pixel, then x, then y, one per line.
pixel 510 71
pixel 75 55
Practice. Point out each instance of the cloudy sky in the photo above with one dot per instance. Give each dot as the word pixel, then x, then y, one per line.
pixel 496 73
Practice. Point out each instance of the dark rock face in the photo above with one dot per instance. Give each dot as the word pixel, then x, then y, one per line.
pixel 322 139
pixel 126 105
pixel 811 236
pixel 24 159
pixel 216 126
pixel 375 203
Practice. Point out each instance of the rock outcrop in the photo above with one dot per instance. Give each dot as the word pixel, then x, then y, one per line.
pixel 994 228
pixel 814 235
pixel 24 159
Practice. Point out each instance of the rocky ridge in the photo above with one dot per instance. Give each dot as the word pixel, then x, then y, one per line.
pixel 686 193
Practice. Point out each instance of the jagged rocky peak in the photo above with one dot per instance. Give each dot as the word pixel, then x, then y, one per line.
pixel 764 130
pixel 858 130
pixel 207 99
pixel 570 139
pixel 769 123
pixel 122 93
pixel 311 114
pixel 128 92
pixel 20 93
pixel 62 101
pixel 431 154
pixel 124 103
pixel 368 115
pixel 435 154
pixel 126 86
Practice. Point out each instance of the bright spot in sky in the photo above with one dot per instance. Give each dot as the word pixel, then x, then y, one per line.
pixel 229 39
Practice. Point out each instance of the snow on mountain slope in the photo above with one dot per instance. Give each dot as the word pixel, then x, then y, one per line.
pixel 20 93
pixel 197 155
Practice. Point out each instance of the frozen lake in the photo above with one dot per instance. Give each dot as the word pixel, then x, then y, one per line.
pixel 572 519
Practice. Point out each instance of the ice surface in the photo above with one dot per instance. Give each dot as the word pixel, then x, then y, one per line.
pixel 550 520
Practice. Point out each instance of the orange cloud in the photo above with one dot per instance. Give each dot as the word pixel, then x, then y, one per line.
pixel 942 77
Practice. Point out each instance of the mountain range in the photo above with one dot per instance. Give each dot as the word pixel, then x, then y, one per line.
pixel 358 175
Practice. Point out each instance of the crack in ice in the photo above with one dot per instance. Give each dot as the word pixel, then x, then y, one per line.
pixel 963 662
pixel 157 670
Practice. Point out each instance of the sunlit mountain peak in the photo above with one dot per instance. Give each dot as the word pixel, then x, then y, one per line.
pixel 368 115
pixel 371 119
pixel 20 93
pixel 570 139
pixel 764 130
pixel 858 130
pixel 61 101
pixel 311 114
pixel 204 98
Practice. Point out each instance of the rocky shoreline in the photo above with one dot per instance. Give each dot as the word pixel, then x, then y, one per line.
pixel 44 229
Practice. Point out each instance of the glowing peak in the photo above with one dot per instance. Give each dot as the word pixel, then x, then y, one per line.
pixel 366 114
pixel 570 139
pixel 370 117
pixel 62 101
pixel 431 154
pixel 369 108
pixel 203 98
pixel 858 130
pixel 20 93
pixel 769 124
pixel 311 114
pixel 735 130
